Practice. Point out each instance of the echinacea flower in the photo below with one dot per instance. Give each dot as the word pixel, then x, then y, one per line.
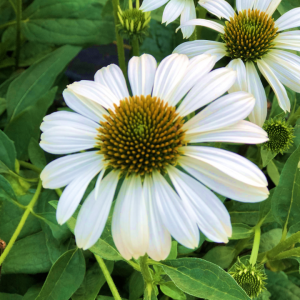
pixel 143 138
pixel 252 37
pixel 175 8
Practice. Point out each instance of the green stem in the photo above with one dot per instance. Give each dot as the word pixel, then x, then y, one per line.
pixel 201 14
pixel 7 24
pixel 134 265
pixel 148 280
pixel 255 247
pixel 18 35
pixel 22 222
pixel 108 278
pixel 135 46
pixel 120 45
pixel 287 254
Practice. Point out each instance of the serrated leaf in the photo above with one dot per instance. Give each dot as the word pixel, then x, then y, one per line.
pixel 203 279
pixel 7 151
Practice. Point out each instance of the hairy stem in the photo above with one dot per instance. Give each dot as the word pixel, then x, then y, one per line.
pixel 145 270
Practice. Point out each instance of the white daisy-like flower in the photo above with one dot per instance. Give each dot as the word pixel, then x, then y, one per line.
pixel 175 8
pixel 252 37
pixel 143 138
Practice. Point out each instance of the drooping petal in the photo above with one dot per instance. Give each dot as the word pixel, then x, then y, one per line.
pixel 232 164
pixel 241 76
pixel 272 7
pixel 169 75
pixel 172 11
pixel 96 92
pixel 199 66
pixel 159 237
pixel 219 8
pixel 243 132
pixel 288 40
pixel 149 5
pixel 84 106
pixel 212 86
pixel 61 171
pixel 73 193
pixel 223 112
pixel 204 206
pixel 133 220
pixel 113 78
pixel 202 22
pixel 244 4
pixel 194 48
pixel 289 20
pixel 173 213
pixel 221 182
pixel 276 85
pixel 255 87
pixel 141 74
pixel 188 13
pixel 93 214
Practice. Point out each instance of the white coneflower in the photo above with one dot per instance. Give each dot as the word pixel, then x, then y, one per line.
pixel 143 138
pixel 250 37
pixel 175 8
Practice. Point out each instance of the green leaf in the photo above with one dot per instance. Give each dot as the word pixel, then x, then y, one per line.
pixel 65 277
pixel 36 154
pixel 241 231
pixel 136 286
pixel 28 255
pixel 3 105
pixel 203 279
pixel 7 151
pixel 173 252
pixel 247 213
pixel 267 156
pixel 32 292
pixel 221 256
pixel 286 198
pixel 92 283
pixel 6 191
pixel 273 172
pixel 32 84
pixel 287 5
pixel 5 296
pixel 265 209
pixel 172 291
pixel 62 22
pixel 270 239
pixel 27 124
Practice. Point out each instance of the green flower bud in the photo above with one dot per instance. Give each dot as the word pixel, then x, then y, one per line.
pixel 250 278
pixel 280 135
pixel 134 23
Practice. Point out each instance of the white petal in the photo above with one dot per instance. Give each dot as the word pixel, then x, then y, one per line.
pixel 159 237
pixel 199 66
pixel 223 112
pixel 219 8
pixel 288 40
pixel 98 183
pixel 149 5
pixel 288 73
pixel 172 11
pixel 188 13
pixel 209 88
pixel 113 78
pixel 63 170
pixel 173 213
pixel 222 183
pixel 272 7
pixel 255 87
pixel 276 85
pixel 94 212
pixel 169 75
pixel 132 217
pixel 241 78
pixel 204 206
pixel 201 22
pixel 262 5
pixel 232 164
pixel 244 4
pixel 243 132
pixel 289 20
pixel 141 73
pixel 73 193
pixel 194 48
pixel 96 92
pixel 84 106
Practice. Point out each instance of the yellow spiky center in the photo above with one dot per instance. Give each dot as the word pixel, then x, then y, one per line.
pixel 249 35
pixel 141 135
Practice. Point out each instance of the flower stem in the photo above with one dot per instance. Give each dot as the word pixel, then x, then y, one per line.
pixel 135 46
pixel 22 222
pixel 18 34
pixel 108 278
pixel 255 247
pixel 146 275
pixel 120 45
